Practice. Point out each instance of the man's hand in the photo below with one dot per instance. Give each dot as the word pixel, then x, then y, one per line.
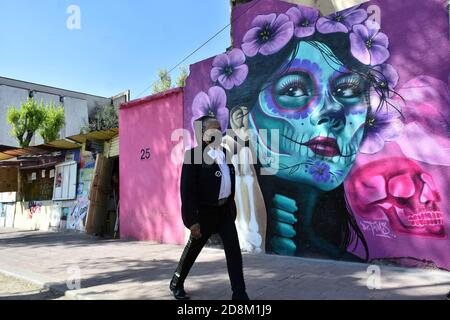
pixel 195 231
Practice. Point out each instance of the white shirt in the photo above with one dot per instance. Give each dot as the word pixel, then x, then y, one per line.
pixel 225 186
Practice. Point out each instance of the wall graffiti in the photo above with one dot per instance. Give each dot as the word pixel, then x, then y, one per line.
pixel 34 208
pixel 357 145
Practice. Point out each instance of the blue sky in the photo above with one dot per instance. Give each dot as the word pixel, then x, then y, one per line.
pixel 120 46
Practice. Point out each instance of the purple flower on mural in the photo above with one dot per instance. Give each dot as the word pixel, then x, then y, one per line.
pixel 341 21
pixel 229 69
pixel 268 34
pixel 368 44
pixel 211 104
pixel 381 127
pixel 320 171
pixel 386 77
pixel 304 20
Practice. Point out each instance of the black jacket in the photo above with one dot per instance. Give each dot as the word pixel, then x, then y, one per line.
pixel 200 185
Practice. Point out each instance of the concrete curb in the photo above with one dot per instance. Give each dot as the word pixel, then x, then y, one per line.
pixel 43 282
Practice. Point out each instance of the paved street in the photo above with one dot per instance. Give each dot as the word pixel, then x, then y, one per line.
pixel 117 269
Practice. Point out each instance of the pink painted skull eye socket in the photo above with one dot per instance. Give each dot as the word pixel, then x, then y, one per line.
pixel 401 186
pixel 374 189
pixel 429 191
pixel 427 194
pixel 429 181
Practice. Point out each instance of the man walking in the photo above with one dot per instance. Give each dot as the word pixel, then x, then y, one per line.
pixel 208 207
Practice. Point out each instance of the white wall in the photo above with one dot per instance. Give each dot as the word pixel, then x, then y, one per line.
pixel 9 96
pixel 76 111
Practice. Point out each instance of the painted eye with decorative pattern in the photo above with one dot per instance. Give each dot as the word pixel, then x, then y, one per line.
pixel 348 88
pixel 293 90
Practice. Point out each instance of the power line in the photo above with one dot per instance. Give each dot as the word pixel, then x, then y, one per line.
pixel 203 44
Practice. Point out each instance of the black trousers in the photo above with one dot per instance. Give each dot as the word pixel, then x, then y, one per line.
pixel 215 220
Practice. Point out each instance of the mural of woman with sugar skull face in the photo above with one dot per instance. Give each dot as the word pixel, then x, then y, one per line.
pixel 309 92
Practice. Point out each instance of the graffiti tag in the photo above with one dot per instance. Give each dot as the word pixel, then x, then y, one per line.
pixel 379 228
pixel 34 208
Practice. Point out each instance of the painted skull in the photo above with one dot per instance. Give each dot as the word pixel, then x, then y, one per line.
pixel 399 190
pixel 318 107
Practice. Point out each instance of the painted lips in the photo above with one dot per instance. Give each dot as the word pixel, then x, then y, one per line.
pixel 324 146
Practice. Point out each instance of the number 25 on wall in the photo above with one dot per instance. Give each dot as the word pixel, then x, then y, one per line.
pixel 145 154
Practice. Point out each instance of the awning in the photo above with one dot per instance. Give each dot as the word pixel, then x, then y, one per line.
pixel 96 135
pixel 70 143
pixel 38 150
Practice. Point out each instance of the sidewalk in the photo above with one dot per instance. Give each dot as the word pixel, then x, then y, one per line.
pixel 116 269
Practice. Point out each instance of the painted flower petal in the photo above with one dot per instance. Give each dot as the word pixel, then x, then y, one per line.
pixel 387 72
pixel 391 75
pixel 309 14
pixel 222 116
pixel 303 32
pixel 361 31
pixel 263 20
pixel 325 25
pixel 381 39
pixel 226 81
pixel 348 11
pixel 300 14
pixel 359 49
pixel 251 48
pixel 240 74
pixel 218 98
pixel 282 36
pixel 200 105
pixel 295 15
pixel 280 21
pixel 236 57
pixel 354 17
pixel 251 35
pixel 378 55
pixel 221 61
pixel 215 73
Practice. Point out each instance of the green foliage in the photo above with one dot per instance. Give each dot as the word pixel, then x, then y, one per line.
pixel 105 118
pixel 26 120
pixel 163 83
pixel 53 123
pixel 181 80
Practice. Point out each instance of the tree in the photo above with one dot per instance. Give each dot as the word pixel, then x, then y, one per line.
pixel 163 83
pixel 53 123
pixel 181 80
pixel 26 120
pixel 105 118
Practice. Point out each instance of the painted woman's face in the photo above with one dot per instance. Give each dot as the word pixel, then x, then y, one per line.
pixel 319 109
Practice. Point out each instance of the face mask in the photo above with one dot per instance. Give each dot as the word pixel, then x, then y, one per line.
pixel 212 136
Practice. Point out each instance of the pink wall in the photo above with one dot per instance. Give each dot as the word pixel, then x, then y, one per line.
pixel 149 188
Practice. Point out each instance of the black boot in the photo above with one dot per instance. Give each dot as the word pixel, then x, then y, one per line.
pixel 240 296
pixel 177 288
